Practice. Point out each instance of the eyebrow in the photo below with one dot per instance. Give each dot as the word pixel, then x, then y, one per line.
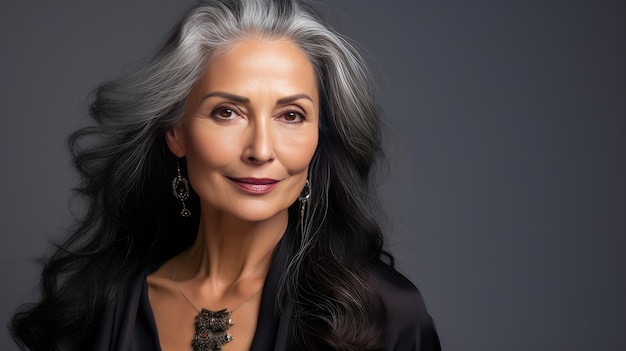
pixel 228 96
pixel 292 98
pixel 242 99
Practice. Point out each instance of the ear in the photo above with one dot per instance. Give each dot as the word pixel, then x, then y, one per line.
pixel 175 141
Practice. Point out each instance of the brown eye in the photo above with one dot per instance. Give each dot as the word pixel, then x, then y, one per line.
pixel 293 117
pixel 226 113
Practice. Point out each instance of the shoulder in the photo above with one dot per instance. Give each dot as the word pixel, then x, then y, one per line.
pixel 118 325
pixel 409 325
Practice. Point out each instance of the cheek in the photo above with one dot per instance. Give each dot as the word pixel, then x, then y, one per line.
pixel 210 148
pixel 296 153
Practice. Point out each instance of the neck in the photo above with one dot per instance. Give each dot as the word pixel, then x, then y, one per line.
pixel 228 251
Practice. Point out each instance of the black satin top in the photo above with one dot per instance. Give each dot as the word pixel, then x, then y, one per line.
pixel 129 323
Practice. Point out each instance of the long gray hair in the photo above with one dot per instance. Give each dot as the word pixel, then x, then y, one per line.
pixel 125 170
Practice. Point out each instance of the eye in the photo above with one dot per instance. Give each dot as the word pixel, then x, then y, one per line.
pixel 224 113
pixel 293 117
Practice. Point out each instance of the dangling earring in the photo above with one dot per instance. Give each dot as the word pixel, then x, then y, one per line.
pixel 304 197
pixel 180 187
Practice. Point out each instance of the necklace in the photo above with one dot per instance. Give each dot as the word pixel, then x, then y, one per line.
pixel 211 326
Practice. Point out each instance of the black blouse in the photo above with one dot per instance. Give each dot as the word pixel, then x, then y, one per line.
pixel 129 323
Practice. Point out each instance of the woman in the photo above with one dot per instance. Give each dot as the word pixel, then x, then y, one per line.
pixel 260 122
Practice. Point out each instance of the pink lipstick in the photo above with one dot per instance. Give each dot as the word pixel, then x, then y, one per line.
pixel 255 186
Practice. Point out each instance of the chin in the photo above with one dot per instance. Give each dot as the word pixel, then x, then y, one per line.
pixel 261 215
pixel 248 211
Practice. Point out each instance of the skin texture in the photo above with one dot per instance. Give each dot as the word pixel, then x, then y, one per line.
pixel 249 133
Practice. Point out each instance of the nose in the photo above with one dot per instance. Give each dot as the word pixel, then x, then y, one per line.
pixel 259 147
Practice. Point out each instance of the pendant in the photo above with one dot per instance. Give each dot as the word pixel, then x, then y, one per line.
pixel 211 330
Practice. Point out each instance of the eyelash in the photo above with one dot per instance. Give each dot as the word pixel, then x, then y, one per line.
pixel 234 112
pixel 299 116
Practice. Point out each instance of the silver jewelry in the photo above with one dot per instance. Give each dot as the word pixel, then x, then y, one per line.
pixel 180 187
pixel 304 197
pixel 211 326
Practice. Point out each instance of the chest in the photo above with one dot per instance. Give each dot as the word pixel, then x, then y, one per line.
pixel 180 325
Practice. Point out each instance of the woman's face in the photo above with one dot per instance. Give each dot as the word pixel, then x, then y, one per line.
pixel 250 130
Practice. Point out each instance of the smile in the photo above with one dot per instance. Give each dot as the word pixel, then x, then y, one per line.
pixel 255 185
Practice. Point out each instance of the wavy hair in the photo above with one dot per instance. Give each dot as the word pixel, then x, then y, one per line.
pixel 131 218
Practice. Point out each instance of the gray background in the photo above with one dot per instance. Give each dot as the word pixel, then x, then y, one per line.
pixel 506 191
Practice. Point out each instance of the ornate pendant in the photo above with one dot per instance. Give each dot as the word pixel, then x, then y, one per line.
pixel 211 330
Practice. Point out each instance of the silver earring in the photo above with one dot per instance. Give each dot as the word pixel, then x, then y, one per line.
pixel 180 187
pixel 304 197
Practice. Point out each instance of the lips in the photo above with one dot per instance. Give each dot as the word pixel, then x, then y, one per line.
pixel 255 186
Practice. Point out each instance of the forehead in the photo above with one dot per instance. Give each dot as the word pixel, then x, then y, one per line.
pixel 279 65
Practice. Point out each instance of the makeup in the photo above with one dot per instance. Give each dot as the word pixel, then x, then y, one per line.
pixel 257 186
